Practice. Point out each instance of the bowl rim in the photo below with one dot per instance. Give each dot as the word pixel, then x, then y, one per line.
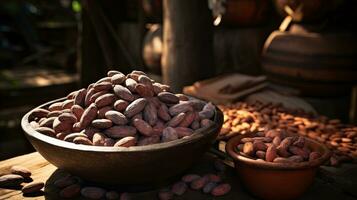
pixel 197 135
pixel 232 143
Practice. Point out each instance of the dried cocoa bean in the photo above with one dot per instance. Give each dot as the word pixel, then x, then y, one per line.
pixel 176 120
pixel 148 140
pixel 120 105
pixel 135 107
pixel 123 93
pixel 168 97
pixel 271 153
pixel 93 192
pixel 102 123
pixel 143 127
pixel 120 131
pixel 105 100
pixel 11 180
pixel 118 79
pixel 19 170
pixel 179 188
pixel 32 187
pixel 116 117
pixel 221 189
pixel 126 142
pixel 163 113
pixel 150 113
pixel 169 134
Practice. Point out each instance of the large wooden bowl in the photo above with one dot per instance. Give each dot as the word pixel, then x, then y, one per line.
pixel 138 165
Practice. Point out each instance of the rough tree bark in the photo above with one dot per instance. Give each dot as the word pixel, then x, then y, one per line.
pixel 188 42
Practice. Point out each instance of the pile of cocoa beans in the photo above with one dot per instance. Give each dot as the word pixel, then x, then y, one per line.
pixel 70 186
pixel 242 117
pixel 20 178
pixel 276 146
pixel 122 111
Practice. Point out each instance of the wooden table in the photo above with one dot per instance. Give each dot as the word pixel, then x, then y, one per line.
pixel 330 183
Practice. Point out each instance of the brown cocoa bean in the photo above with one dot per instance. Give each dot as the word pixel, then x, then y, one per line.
pixel 55 106
pixel 89 132
pixel 11 180
pixel 104 79
pixel 88 116
pixel 101 112
pixel 120 105
pixel 282 160
pixel 206 123
pixel 48 122
pixel 150 113
pixel 20 170
pixel 38 113
pixel 67 118
pixel 118 79
pixel 271 153
pixel 105 100
pixel 183 131
pixel 260 154
pixel 67 104
pixel 77 110
pixel 116 117
pixel 55 113
pixel 82 140
pixel 102 86
pixel 135 107
pixel 130 84
pixel 199 183
pixel 296 158
pixel 123 93
pixel 179 188
pixel 168 97
pixel 126 142
pixel 221 189
pixel 71 95
pixel 70 137
pixel 59 126
pixel 120 131
pixel 156 88
pixel 65 181
pixel 259 145
pixel 187 121
pixel 299 151
pixel 79 98
pixel 300 142
pixel 176 120
pixel 209 187
pixel 148 140
pixel 143 127
pixel 102 123
pixel 143 90
pixel 169 134
pixel 93 192
pixel 98 139
pixel 70 191
pixel 207 111
pixel 32 187
pixel 163 113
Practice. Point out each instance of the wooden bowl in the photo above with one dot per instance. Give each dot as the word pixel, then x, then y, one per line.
pixel 276 181
pixel 138 165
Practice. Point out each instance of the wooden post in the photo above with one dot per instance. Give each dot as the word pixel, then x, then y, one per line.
pixel 188 42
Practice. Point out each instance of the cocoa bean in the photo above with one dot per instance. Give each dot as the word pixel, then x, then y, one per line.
pixel 120 131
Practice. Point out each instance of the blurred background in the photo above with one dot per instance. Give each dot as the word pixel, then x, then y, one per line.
pixel 304 48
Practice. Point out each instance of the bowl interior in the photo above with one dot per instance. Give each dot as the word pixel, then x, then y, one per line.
pixel 232 144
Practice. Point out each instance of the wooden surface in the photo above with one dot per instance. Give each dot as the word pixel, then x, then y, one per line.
pixel 330 183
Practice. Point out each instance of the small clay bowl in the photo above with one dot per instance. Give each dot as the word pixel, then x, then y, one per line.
pixel 268 180
pixel 137 165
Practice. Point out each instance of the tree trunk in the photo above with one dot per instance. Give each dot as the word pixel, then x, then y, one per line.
pixel 188 42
